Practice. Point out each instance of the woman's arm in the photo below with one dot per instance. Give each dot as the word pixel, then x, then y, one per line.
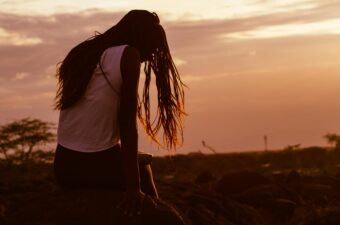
pixel 130 69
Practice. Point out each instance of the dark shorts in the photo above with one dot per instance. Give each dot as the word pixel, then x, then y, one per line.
pixel 102 169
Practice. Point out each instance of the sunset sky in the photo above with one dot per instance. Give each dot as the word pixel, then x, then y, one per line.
pixel 252 67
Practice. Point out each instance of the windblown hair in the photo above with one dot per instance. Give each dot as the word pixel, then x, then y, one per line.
pixel 142 30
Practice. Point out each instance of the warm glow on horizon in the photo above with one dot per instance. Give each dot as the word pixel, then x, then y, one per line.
pixel 252 67
pixel 286 30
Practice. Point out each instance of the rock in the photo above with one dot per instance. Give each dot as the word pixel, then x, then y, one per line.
pixel 329 217
pixel 317 193
pixel 210 202
pixel 321 179
pixel 204 178
pixel 293 177
pixel 272 198
pixel 203 215
pixel 336 184
pixel 217 209
pixel 282 209
pixel 337 175
pixel 241 214
pixel 267 191
pixel 2 210
pixel 93 207
pixel 233 183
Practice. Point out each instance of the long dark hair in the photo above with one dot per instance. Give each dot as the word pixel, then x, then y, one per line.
pixel 142 30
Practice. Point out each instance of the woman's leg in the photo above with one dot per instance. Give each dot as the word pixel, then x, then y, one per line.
pixel 99 170
pixel 146 179
pixel 145 172
pixel 89 170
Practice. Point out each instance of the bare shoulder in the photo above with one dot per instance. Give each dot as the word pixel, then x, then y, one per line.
pixel 131 55
pixel 130 61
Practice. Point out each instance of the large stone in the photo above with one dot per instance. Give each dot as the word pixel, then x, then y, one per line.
pixel 91 207
pixel 293 178
pixel 211 208
pixel 317 193
pixel 325 217
pixel 233 183
pixel 280 203
pixel 258 195
pixel 204 177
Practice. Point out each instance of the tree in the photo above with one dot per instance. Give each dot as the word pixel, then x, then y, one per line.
pixel 20 138
pixel 333 139
pixel 5 146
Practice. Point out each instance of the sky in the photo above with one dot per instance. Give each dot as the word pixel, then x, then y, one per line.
pixel 252 67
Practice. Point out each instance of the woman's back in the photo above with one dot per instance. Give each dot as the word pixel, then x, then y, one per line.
pixel 92 123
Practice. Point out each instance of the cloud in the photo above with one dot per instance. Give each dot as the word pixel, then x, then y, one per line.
pixel 20 76
pixel 175 10
pixel 285 30
pixel 56 35
pixel 11 38
pixel 249 86
pixel 198 42
pixel 198 78
pixel 179 61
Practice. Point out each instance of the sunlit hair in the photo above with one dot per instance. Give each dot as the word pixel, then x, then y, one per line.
pixel 142 30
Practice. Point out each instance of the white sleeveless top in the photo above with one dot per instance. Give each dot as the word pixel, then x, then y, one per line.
pixel 92 124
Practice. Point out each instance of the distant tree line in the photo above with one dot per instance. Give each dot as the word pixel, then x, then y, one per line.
pixel 22 140
pixel 333 139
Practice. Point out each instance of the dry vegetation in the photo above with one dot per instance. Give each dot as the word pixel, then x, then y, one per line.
pixel 297 187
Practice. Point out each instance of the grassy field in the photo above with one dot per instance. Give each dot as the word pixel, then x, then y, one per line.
pixel 276 187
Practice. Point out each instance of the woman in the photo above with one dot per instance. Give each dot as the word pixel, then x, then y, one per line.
pixel 99 105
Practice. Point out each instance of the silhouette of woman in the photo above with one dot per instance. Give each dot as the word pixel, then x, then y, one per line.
pixel 99 105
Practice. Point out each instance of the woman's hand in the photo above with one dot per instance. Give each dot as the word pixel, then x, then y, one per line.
pixel 133 200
